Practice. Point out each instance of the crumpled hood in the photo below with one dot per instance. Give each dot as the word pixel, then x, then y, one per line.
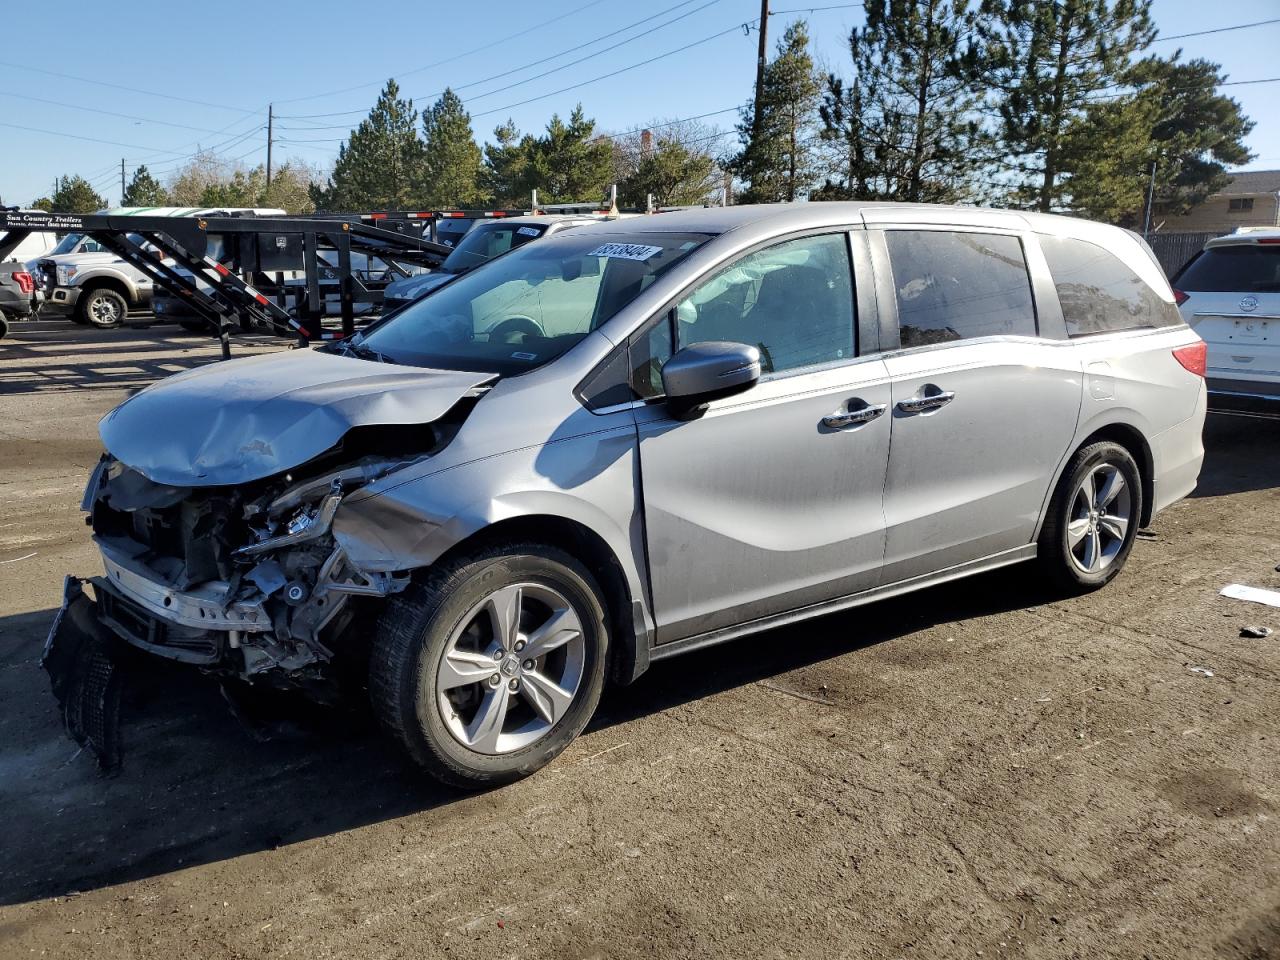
pixel 240 420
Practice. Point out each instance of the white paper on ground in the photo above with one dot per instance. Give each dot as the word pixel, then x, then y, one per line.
pixel 1238 591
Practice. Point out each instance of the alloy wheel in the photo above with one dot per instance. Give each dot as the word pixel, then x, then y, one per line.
pixel 1101 512
pixel 511 668
pixel 104 310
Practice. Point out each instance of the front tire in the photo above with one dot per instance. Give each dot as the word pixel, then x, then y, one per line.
pixel 1093 518
pixel 102 307
pixel 489 668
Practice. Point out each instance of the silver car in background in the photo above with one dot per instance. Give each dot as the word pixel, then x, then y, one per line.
pixel 641 438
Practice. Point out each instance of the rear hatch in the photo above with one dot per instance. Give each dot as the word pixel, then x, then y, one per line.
pixel 1230 295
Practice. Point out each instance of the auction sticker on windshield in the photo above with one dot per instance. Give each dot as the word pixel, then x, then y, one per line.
pixel 625 251
pixel 527 231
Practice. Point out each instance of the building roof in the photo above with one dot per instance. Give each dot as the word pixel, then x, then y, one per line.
pixel 1252 181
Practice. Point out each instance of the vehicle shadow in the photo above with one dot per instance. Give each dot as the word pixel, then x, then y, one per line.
pixel 196 787
pixel 1240 454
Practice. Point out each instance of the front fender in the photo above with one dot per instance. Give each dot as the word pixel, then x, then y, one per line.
pixel 592 480
pixel 90 277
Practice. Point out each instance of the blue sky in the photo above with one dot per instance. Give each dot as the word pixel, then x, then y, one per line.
pixel 203 76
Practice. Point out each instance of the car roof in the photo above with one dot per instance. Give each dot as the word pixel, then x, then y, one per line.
pixel 546 219
pixel 1245 236
pixel 800 215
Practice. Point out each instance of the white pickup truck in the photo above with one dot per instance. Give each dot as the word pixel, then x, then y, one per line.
pixel 92 285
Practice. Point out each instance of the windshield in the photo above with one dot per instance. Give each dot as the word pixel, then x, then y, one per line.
pixel 527 308
pixel 67 243
pixel 1238 268
pixel 450 231
pixel 487 241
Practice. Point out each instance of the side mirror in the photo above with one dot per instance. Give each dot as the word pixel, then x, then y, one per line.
pixel 703 372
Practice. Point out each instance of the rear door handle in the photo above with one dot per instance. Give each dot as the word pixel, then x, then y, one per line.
pixel 928 401
pixel 853 418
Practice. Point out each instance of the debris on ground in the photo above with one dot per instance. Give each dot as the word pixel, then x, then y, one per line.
pixel 82 672
pixel 1238 591
pixel 1201 670
pixel 1147 535
pixel 1256 633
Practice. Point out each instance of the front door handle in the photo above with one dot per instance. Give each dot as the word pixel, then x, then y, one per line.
pixel 853 418
pixel 926 401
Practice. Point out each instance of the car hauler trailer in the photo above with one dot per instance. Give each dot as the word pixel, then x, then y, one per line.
pixel 228 268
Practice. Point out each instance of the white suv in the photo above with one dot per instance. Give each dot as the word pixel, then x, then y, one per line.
pixel 1230 294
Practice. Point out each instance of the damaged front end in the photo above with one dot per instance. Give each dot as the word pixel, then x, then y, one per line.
pixel 241 580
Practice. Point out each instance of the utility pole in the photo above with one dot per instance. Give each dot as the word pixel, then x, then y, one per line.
pixel 764 43
pixel 122 181
pixel 1151 196
pixel 271 116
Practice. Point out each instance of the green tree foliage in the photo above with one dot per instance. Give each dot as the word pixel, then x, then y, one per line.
pixel 144 190
pixel 505 172
pixel 380 165
pixel 290 188
pixel 75 195
pixel 44 203
pixel 905 128
pixel 451 156
pixel 1174 117
pixel 1050 60
pixel 188 184
pixel 674 167
pixel 570 162
pixel 241 189
pixel 778 160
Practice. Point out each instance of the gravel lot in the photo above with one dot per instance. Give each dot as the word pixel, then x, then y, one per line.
pixel 977 770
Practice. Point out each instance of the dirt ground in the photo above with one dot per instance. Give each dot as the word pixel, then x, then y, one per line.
pixel 977 770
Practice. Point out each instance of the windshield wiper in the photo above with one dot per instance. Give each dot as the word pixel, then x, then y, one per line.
pixel 364 353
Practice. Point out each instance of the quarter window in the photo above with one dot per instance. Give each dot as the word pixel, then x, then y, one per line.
pixel 1098 293
pixel 956 286
pixel 1240 204
pixel 794 301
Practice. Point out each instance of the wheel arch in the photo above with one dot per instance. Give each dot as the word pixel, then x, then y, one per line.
pixel 629 649
pixel 111 282
pixel 1133 440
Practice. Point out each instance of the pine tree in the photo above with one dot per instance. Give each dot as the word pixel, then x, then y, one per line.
pixel 504 176
pixel 144 190
pixel 381 162
pixel 569 162
pixel 1050 59
pixel 1175 118
pixel 451 156
pixel 778 160
pixel 906 127
pixel 75 195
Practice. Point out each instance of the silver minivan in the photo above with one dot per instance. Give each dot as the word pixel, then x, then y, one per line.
pixel 636 439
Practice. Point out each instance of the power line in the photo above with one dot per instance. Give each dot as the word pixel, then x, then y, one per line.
pixel 1204 33
pixel 106 113
pixel 441 63
pixel 118 86
pixel 76 136
pixel 613 73
pixel 554 56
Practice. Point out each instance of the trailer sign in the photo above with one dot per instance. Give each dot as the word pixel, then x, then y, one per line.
pixel 55 222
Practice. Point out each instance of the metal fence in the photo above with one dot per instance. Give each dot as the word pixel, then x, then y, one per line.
pixel 1175 249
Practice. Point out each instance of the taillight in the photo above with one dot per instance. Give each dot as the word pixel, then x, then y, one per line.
pixel 26 282
pixel 1192 357
pixel 1179 297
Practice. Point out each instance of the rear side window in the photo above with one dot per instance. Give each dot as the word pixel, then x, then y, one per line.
pixel 1235 269
pixel 1098 293
pixel 956 286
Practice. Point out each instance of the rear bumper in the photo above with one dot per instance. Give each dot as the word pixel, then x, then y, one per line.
pixel 15 303
pixel 1178 455
pixel 1255 397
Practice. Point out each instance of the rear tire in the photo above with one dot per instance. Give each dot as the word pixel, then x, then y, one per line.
pixel 490 667
pixel 1093 519
pixel 102 307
